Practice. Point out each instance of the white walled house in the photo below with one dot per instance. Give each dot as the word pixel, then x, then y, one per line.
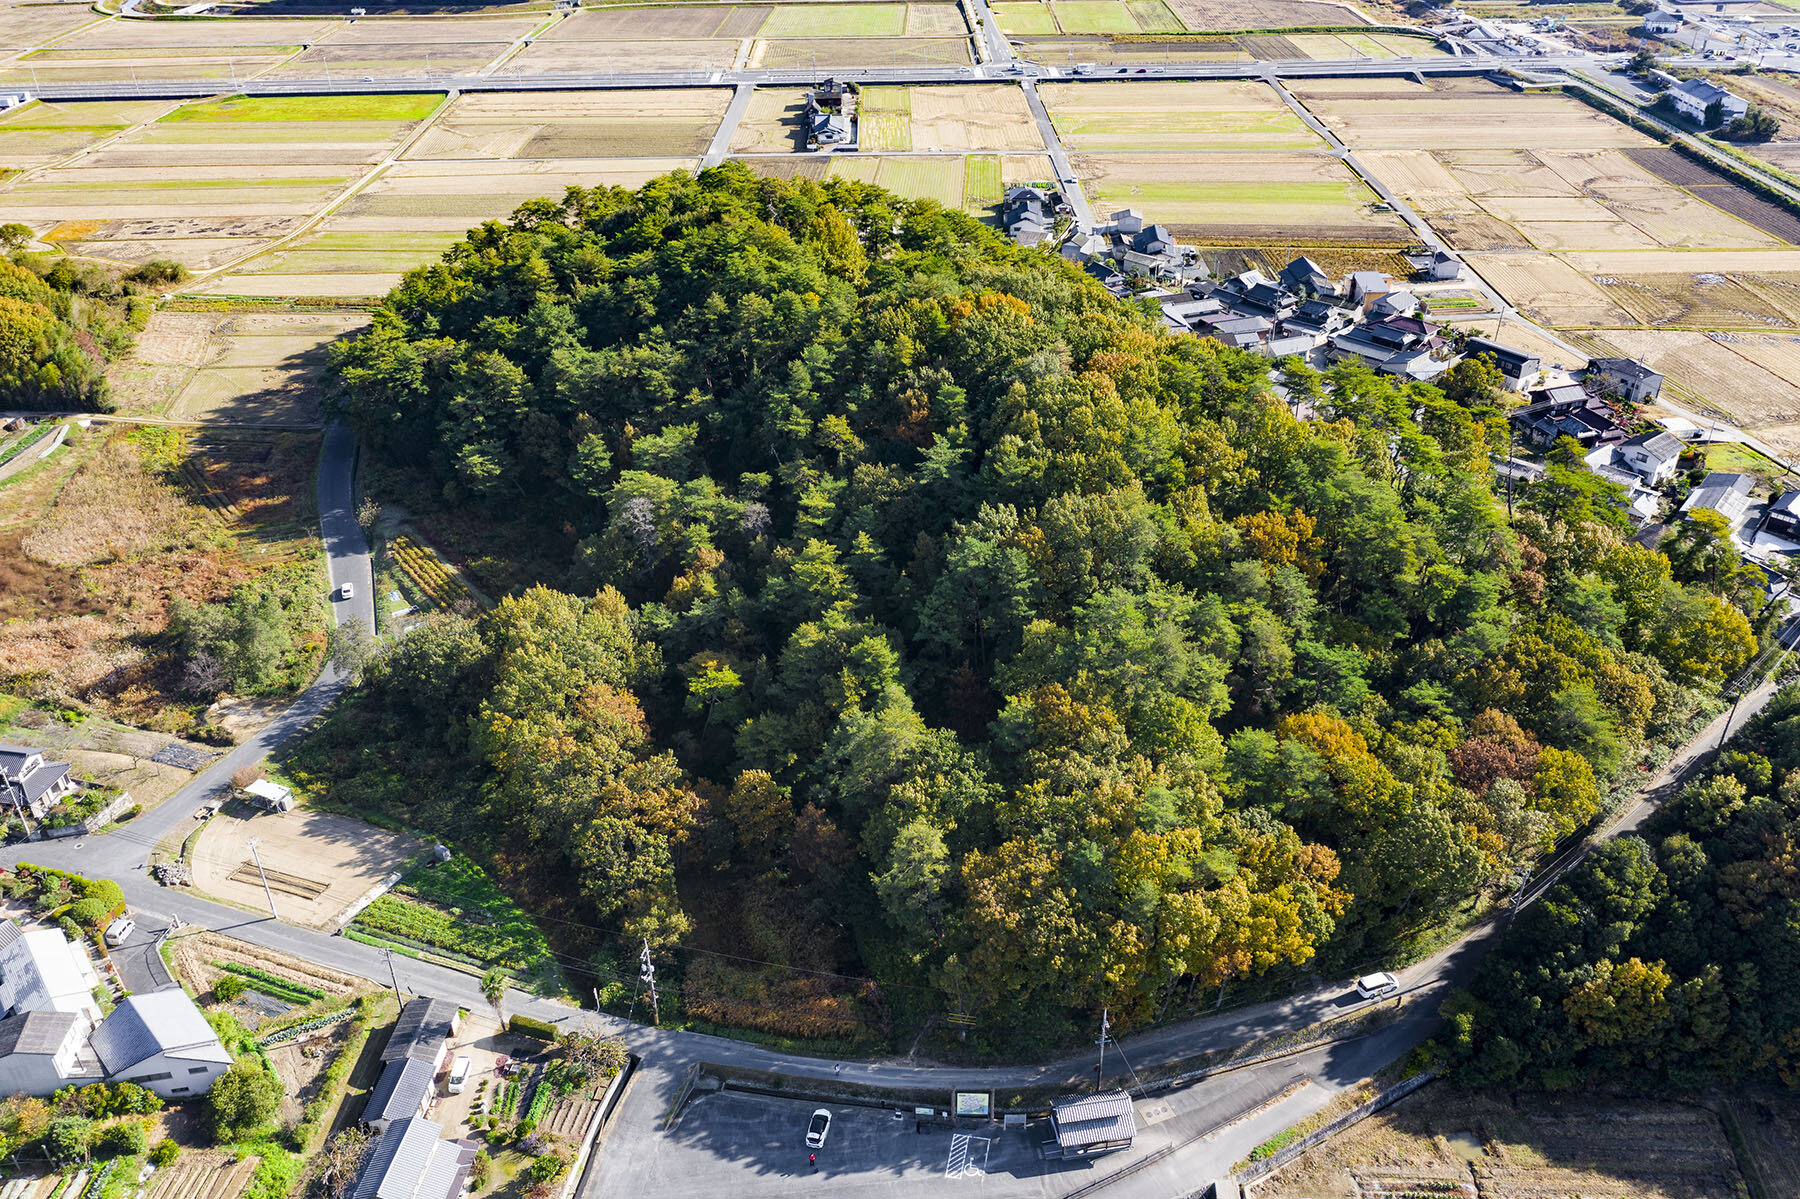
pixel 1653 456
pixel 1694 97
pixel 30 782
pixel 161 1041
pixel 42 970
pixel 42 1052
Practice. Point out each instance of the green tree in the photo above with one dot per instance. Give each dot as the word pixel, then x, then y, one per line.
pixel 243 1099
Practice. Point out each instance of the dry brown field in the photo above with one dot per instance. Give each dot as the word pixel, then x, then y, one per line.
pixel 1456 114
pixel 550 58
pixel 1548 289
pixel 772 124
pixel 381 31
pixel 982 116
pixel 574 125
pixel 1205 15
pixel 317 864
pixel 79 66
pixel 1545 1147
pixel 387 59
pixel 679 23
pixel 38 135
pixel 23 26
pixel 137 35
pixel 1058 53
pixel 1746 376
pixel 246 366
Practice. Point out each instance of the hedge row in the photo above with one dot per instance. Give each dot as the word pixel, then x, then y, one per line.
pixel 527 1026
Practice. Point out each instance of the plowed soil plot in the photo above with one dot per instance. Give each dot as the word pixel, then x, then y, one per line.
pixel 574 125
pixel 1719 191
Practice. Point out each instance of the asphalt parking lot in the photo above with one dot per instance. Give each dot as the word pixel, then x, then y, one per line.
pixel 755 1145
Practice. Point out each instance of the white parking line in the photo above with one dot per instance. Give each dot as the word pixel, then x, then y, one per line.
pixel 961 1162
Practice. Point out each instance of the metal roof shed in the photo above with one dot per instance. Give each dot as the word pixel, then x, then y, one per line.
pixel 1087 1125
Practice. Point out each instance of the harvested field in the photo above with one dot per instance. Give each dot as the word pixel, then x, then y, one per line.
pixel 39 134
pixel 205 33
pixel 1456 114
pixel 1337 261
pixel 773 123
pixel 420 197
pixel 202 1174
pixel 421 59
pixel 835 20
pixel 1513 333
pixel 1770 1127
pixel 1026 19
pixel 1720 191
pixel 1094 16
pixel 937 178
pixel 1748 377
pixel 1174 116
pixel 1549 290
pixel 982 116
pixel 788 168
pixel 825 53
pixel 1061 53
pixel 346 856
pixel 25 25
pixel 1541 1146
pixel 551 57
pixel 248 367
pixel 224 66
pixel 1337 47
pixel 1252 198
pixel 649 24
pixel 383 31
pixel 577 125
pixel 1206 15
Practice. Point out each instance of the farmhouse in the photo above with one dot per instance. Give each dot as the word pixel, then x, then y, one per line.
pixel 1725 493
pixel 29 782
pixel 1587 420
pixel 1437 267
pixel 403 1091
pixel 1662 22
pixel 1394 303
pixel 1028 215
pixel 1694 99
pixel 1088 1125
pixel 42 970
pixel 413 1161
pixel 1783 517
pixel 1306 277
pixel 161 1041
pixel 1626 378
pixel 41 1052
pixel 422 1032
pixel 831 114
pixel 1519 367
pixel 1642 504
pixel 1136 248
pixel 1378 343
pixel 1653 456
pixel 1365 286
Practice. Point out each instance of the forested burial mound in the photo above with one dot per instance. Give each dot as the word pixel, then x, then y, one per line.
pixel 896 603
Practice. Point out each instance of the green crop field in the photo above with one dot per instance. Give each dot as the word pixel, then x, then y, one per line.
pixel 884 119
pixel 1177 130
pixel 939 178
pixel 454 908
pixel 836 20
pixel 1094 16
pixel 408 107
pixel 1030 19
pixel 981 181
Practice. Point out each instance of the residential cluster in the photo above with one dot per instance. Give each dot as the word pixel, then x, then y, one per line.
pixel 411 1158
pixel 54 1035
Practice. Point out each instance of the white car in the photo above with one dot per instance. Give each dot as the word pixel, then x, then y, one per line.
pixel 459 1076
pixel 120 930
pixel 347 591
pixel 1377 986
pixel 817 1127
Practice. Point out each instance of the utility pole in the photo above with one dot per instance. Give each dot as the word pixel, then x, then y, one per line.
pixel 1105 1027
pixel 15 795
pixel 268 894
pixel 387 955
pixel 647 972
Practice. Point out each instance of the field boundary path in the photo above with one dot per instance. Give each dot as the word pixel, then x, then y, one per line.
pixel 1066 181
pixel 734 113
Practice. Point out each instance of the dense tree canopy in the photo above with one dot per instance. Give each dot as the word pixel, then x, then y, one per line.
pixel 925 589
pixel 1668 957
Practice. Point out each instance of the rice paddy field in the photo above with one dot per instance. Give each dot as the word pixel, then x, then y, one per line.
pixel 1243 198
pixel 701 36
pixel 972 182
pixel 243 367
pixel 1456 114
pixel 982 116
pixel 521 125
pixel 1174 117
pixel 38 134
pixel 1206 15
pixel 203 183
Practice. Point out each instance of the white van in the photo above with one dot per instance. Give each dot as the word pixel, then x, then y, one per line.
pixel 459 1075
pixel 120 930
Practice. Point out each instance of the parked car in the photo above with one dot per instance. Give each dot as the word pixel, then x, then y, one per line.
pixel 120 930
pixel 1377 986
pixel 459 1076
pixel 347 591
pixel 817 1128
